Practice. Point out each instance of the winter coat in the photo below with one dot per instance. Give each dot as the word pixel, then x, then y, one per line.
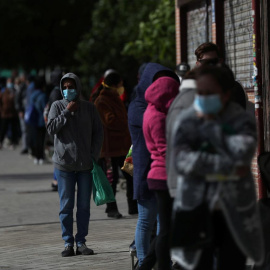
pixel 113 115
pixel 78 135
pixel 211 150
pixel 159 96
pixel 7 104
pixel 140 154
pixel 183 100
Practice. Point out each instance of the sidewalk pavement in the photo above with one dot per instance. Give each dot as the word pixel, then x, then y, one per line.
pixel 30 233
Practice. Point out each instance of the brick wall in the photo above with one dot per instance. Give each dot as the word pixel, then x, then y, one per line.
pixel 177 32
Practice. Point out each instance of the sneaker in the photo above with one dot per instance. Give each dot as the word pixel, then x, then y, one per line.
pixel 132 247
pixel 84 250
pixel 68 251
pixel 36 161
pixel 41 161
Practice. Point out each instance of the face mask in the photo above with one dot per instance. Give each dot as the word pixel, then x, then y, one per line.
pixel 120 90
pixel 207 104
pixel 10 85
pixel 70 94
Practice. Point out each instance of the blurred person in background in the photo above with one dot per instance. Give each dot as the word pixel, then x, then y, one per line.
pixel 55 94
pixel 214 147
pixel 20 106
pixel 39 100
pixel 9 115
pixel 207 53
pixel 183 100
pixel 181 70
pixel 30 130
pixel 117 140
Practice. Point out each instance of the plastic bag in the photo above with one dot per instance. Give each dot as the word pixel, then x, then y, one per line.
pixel 128 163
pixel 102 190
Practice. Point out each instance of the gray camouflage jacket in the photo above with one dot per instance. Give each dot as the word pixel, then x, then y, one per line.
pixel 209 151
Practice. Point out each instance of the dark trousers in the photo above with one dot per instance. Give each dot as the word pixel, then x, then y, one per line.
pixel 31 137
pixel 117 162
pixel 224 248
pixel 5 123
pixel 40 142
pixel 165 203
pixel 150 260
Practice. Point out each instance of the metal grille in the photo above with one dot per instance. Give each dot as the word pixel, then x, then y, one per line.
pixel 238 39
pixel 199 29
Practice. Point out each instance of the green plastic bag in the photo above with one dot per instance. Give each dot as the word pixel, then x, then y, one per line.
pixel 102 190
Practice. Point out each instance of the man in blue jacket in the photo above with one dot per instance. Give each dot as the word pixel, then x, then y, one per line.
pixel 78 137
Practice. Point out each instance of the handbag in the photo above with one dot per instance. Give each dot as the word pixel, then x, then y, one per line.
pixel 192 229
pixel 102 190
pixel 128 163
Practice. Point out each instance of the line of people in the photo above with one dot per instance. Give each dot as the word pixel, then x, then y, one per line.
pixel 191 149
pixel 17 95
pixel 192 146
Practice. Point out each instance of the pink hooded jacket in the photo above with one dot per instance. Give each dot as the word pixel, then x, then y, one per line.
pixel 159 96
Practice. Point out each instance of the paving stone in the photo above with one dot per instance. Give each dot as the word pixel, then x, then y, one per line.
pixel 30 231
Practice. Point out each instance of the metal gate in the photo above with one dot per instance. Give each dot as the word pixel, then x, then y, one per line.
pixel 238 39
pixel 199 28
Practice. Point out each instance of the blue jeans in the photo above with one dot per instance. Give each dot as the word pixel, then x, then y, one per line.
pixel 66 190
pixel 148 214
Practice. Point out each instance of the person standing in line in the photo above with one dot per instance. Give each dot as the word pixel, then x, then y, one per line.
pixel 159 96
pixel 30 130
pixel 182 101
pixel 20 106
pixel 117 139
pixel 207 53
pixel 9 114
pixel 39 99
pixel 78 136
pixel 147 204
pixel 214 147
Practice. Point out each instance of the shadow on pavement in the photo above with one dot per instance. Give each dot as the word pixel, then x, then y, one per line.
pixel 27 176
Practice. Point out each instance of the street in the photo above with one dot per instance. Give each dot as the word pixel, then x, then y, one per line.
pixel 30 228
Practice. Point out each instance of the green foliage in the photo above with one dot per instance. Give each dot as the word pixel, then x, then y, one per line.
pixel 156 39
pixel 114 24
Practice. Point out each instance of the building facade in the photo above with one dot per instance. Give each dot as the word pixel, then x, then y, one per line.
pixel 240 29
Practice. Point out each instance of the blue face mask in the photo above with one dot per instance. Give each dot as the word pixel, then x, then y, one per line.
pixel 210 104
pixel 70 94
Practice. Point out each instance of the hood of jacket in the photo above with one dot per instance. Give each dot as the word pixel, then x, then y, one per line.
pixel 77 82
pixel 162 92
pixel 147 78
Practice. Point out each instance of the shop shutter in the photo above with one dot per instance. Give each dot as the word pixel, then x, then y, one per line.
pixel 198 30
pixel 238 39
